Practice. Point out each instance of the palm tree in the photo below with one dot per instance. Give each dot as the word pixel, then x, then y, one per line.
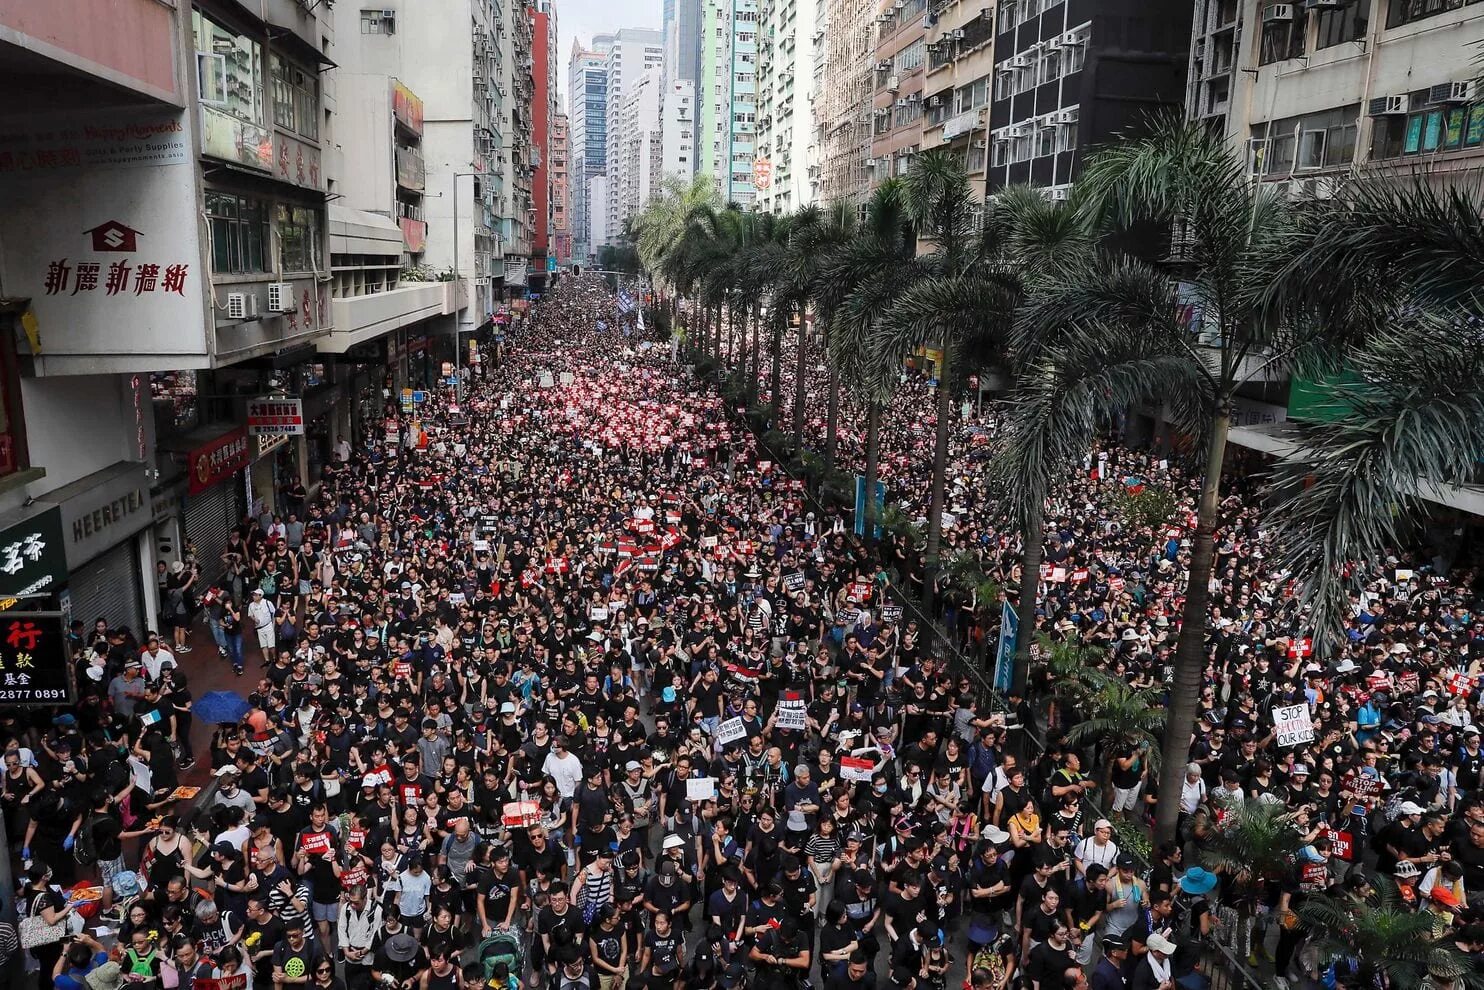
pixel 1406 255
pixel 1381 941
pixel 1119 715
pixel 859 285
pixel 1108 334
pixel 663 221
pixel 1255 843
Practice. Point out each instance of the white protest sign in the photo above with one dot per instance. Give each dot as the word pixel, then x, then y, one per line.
pixel 1293 725
pixel 730 731
pixel 790 715
pixel 700 788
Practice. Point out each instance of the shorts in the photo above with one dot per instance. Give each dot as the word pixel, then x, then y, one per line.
pixel 325 912
pixel 110 868
pixel 1127 799
pixel 267 637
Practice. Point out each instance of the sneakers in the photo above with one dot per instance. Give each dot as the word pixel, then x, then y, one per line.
pixel 187 763
pixel 182 649
pixel 237 671
pixel 221 651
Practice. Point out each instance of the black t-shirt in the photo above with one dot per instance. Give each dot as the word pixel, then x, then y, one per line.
pixel 664 951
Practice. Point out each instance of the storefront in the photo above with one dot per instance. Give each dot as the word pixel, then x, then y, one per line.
pixel 214 498
pixel 33 557
pixel 103 516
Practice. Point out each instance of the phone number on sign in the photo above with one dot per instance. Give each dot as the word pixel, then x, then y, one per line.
pixel 33 694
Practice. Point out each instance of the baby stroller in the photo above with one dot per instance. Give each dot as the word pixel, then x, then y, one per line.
pixel 503 946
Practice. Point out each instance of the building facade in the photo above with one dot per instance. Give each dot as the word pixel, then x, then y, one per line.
pixel 587 118
pixel 960 76
pixel 785 115
pixel 1074 74
pixel 845 100
pixel 543 112
pixel 898 78
pixel 633 55
pixel 678 128
pixel 561 190
pixel 637 165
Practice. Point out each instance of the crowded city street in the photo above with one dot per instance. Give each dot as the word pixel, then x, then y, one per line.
pixel 565 682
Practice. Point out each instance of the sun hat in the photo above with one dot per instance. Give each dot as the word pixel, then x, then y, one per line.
pixel 401 947
pixel 1158 943
pixel 1198 881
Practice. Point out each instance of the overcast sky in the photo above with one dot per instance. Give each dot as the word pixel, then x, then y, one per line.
pixel 581 19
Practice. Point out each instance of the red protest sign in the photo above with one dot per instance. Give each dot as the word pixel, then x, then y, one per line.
pixel 1342 844
pixel 315 843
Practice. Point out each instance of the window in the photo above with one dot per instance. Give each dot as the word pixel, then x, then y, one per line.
pixel 911 57
pixel 373 23
pixel 1004 84
pixel 1314 141
pixel 1349 23
pixel 239 233
pixel 1406 11
pixel 229 69
pixel 1073 56
pixel 1006 17
pixel 298 239
pixel 1284 39
pixel 1045 141
pixel 1050 69
pixel 295 98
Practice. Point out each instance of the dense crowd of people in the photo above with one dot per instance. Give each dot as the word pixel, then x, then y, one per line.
pixel 578 690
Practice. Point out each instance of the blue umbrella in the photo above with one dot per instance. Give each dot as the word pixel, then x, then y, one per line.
pixel 221 706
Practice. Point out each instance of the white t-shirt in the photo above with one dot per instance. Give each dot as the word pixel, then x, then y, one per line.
pixel 565 770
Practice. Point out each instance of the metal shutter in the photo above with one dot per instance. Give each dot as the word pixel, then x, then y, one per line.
pixel 209 519
pixel 108 587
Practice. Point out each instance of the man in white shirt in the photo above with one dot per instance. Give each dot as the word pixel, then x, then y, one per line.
pixel 342 449
pixel 156 659
pixel 564 768
pixel 260 613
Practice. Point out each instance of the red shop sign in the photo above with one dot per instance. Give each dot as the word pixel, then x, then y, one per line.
pixel 221 458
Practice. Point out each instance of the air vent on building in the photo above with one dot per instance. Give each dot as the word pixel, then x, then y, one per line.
pixel 1386 106
pixel 236 306
pixel 280 297
pixel 1277 12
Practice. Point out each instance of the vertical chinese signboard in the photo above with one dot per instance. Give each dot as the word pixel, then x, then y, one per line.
pixel 34 660
pixel 33 556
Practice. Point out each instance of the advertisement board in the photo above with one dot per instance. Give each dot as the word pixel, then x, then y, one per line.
pixel 218 459
pixel 111 260
pixel 33 555
pixel 34 660
pixel 275 415
pixel 407 108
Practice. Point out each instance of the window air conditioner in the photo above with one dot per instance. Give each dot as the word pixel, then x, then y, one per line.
pixel 901 103
pixel 1058 194
pixel 1020 61
pixel 1277 12
pixel 1067 116
pixel 1451 92
pixel 957 34
pixel 893 83
pixel 1387 106
pixel 1326 4
pixel 388 15
pixel 236 306
pixel 280 297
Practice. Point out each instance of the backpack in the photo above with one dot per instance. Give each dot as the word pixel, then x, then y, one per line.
pixel 85 845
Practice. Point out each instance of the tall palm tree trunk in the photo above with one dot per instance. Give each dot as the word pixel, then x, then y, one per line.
pixel 1033 536
pixel 755 365
pixel 873 433
pixel 800 367
pixel 778 317
pixel 832 419
pixel 939 483
pixel 1190 650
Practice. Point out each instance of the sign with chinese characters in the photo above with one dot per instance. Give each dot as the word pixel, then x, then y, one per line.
pixel 762 173
pixel 221 458
pixel 33 556
pixel 112 257
pixel 34 660
pixel 275 415
pixel 297 162
pixel 232 139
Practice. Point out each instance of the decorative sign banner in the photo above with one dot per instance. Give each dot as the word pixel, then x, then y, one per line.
pixel 34 659
pixel 700 788
pixel 857 768
pixel 1293 725
pixel 283 415
pixel 794 582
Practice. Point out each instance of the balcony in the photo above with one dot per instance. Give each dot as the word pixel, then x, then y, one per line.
pixel 362 318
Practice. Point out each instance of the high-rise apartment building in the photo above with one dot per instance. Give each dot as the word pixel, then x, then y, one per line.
pixel 713 92
pixel 637 164
pixel 543 111
pixel 785 96
pixel 587 118
pixel 678 128
pixel 898 78
pixel 633 54
pixel 561 190
pixel 740 74
pixel 1075 74
pixel 844 100
pixel 960 74
pixel 1311 93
